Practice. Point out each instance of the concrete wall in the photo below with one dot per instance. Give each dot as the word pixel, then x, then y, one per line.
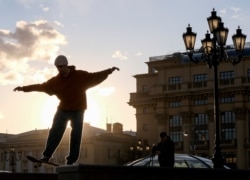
pixel 92 172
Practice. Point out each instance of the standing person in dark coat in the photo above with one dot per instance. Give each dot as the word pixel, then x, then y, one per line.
pixel 70 86
pixel 165 150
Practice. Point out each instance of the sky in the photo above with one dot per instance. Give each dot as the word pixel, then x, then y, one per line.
pixel 94 35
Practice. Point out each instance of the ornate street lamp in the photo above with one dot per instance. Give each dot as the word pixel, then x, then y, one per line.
pixel 195 135
pixel 213 53
pixel 12 157
pixel 141 149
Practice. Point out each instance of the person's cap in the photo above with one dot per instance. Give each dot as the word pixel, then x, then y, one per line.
pixel 61 60
pixel 163 134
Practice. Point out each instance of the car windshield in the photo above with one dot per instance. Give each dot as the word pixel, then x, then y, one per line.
pixel 191 162
pixel 181 161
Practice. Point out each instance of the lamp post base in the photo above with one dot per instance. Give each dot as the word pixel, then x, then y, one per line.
pixel 218 161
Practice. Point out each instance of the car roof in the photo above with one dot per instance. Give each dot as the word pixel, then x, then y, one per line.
pixel 5 171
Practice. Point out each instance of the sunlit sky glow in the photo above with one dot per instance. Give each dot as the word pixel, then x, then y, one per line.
pixel 94 35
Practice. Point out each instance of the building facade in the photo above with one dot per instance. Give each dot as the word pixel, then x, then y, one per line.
pixel 177 96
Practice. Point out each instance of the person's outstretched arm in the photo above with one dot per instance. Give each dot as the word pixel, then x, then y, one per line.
pixel 29 88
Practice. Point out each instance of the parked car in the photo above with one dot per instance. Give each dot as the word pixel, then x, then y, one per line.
pixel 181 161
pixel 5 171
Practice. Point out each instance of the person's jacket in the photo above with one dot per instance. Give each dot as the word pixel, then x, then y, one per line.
pixel 71 91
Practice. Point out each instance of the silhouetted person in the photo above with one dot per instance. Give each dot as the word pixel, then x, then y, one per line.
pixel 70 86
pixel 165 150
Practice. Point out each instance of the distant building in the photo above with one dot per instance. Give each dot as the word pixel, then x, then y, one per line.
pixel 99 147
pixel 177 96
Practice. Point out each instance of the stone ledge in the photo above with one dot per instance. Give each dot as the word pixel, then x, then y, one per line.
pixel 96 172
pixel 27 176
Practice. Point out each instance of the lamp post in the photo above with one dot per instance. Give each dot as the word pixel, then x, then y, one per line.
pixel 192 145
pixel 196 136
pixel 12 158
pixel 140 149
pixel 213 53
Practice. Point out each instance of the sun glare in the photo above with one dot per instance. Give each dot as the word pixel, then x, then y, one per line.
pixel 94 115
pixel 48 110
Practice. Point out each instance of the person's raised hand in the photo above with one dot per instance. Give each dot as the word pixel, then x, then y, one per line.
pixel 115 68
pixel 18 88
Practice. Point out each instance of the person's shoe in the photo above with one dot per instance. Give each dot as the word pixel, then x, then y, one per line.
pixel 45 159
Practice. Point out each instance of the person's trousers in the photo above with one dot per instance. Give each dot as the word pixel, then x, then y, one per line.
pixel 57 130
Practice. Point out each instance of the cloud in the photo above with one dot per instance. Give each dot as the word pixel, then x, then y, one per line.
pixel 31 41
pixel 236 13
pixel 11 77
pixel 40 75
pixel 45 9
pixel 235 10
pixel 119 55
pixel 58 23
pixel 138 53
pixel 223 11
